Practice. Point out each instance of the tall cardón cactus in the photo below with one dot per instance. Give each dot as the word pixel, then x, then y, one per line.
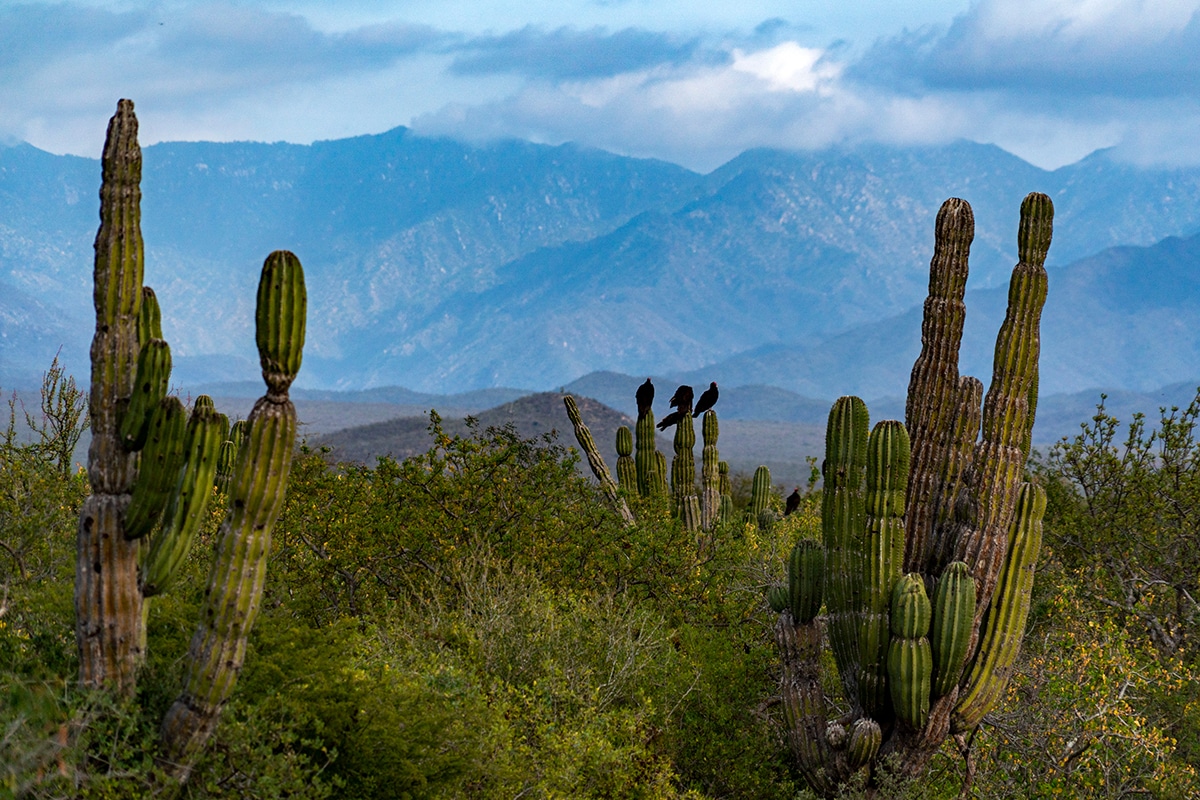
pixel 152 468
pixel 930 537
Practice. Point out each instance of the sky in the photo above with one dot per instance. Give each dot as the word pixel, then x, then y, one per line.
pixel 694 82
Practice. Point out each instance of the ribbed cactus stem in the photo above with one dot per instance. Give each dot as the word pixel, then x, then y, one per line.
pixel 660 474
pixel 882 558
pixel 710 501
pixel 933 388
pixel 910 659
pixel 727 510
pixel 626 469
pixel 162 459
pixel 865 739
pixel 843 526
pixel 760 492
pixel 999 459
pixel 279 327
pixel 188 504
pixel 956 509
pixel 1005 625
pixel 150 318
pixel 806 579
pixel 683 474
pixel 150 387
pixel 239 569
pixel 596 461
pixel 953 616
pixel 108 614
pixel 804 702
pixel 645 461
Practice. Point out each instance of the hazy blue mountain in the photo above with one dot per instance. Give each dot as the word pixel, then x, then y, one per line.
pixel 1126 318
pixel 446 267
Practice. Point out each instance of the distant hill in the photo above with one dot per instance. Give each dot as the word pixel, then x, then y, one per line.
pixel 446 267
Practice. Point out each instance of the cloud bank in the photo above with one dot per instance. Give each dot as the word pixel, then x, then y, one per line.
pixel 1050 81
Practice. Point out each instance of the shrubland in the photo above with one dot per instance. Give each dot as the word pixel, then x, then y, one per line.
pixel 477 622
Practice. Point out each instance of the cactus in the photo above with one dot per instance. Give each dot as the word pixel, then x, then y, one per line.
pixel 760 496
pixel 953 613
pixel 805 580
pixel 683 475
pixel 595 460
pixel 910 660
pixel 726 485
pixel 626 469
pixel 960 526
pixel 185 512
pixel 710 505
pixel 130 412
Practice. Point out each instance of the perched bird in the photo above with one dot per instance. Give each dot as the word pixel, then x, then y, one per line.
pixel 707 400
pixel 672 419
pixel 793 501
pixel 682 399
pixel 645 398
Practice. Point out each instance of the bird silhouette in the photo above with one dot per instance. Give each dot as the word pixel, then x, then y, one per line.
pixel 707 400
pixel 793 501
pixel 645 398
pixel 672 419
pixel 682 399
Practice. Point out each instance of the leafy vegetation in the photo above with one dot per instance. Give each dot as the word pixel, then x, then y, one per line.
pixel 476 622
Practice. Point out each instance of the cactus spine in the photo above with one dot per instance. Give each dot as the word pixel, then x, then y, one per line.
pixel 961 526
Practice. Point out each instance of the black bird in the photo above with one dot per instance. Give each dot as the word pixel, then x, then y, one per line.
pixel 672 419
pixel 707 400
pixel 645 398
pixel 793 501
pixel 682 399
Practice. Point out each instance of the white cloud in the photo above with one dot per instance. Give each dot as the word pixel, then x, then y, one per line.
pixel 787 66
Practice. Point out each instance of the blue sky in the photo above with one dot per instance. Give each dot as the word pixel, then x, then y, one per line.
pixel 690 81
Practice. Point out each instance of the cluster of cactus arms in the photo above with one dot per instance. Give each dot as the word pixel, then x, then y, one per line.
pixel 929 538
pixel 643 470
pixel 152 468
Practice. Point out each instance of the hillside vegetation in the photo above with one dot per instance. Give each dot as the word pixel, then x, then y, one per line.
pixel 474 621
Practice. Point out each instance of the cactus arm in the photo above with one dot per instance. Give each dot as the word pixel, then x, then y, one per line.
pixel 596 461
pixel 843 524
pixel 149 318
pixel 626 469
pixel 683 474
pixel 999 461
pixel 910 660
pixel 236 580
pixel 955 508
pixel 149 387
pixel 882 558
pixel 645 461
pixel 953 615
pixel 805 588
pixel 108 614
pixel 189 500
pixel 1001 640
pixel 710 506
pixel 933 386
pixel 161 461
pixel 804 702
pixel 727 510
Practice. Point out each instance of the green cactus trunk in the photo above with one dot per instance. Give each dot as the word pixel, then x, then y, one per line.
pixel 881 558
pixel 843 526
pixel 646 461
pixel 158 472
pixel 953 615
pixel 910 659
pixel 683 475
pixel 1001 640
pixel 626 469
pixel 260 480
pixel 108 603
pixel 596 461
pixel 710 502
pixel 727 509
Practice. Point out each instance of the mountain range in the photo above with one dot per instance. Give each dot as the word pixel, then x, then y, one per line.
pixel 445 267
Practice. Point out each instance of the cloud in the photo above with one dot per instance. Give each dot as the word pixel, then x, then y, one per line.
pixel 569 54
pixel 1072 48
